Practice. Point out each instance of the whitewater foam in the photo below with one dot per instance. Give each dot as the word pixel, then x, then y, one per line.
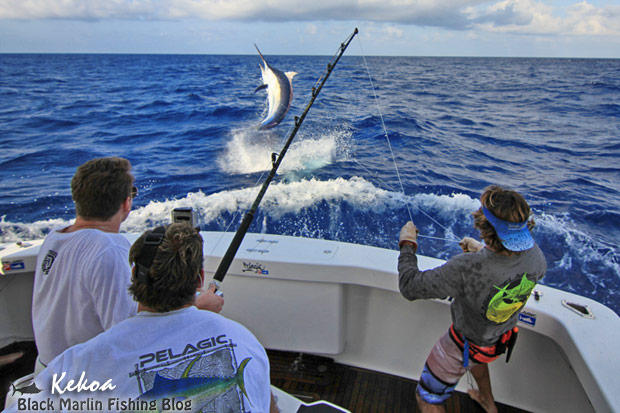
pixel 282 198
pixel 250 151
pixel 304 200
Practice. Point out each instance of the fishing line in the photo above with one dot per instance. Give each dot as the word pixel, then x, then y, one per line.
pixel 387 138
pixel 376 177
pixel 392 189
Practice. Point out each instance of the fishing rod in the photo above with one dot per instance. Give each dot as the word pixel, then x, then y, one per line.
pixel 276 160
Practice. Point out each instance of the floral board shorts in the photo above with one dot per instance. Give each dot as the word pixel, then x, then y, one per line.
pixel 442 371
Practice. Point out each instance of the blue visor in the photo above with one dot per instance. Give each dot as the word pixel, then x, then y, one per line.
pixel 515 236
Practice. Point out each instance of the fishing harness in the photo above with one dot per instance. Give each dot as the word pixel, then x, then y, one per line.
pixel 485 354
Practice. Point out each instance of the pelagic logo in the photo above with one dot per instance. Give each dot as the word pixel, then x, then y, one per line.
pixel 169 355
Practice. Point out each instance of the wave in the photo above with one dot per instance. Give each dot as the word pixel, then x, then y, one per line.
pixel 355 210
pixel 281 199
pixel 592 263
pixel 446 216
pixel 451 212
pixel 23 231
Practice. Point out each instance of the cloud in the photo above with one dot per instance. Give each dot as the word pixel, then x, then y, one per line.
pixel 583 18
pixel 421 12
pixel 515 16
pixel 393 32
pixel 76 9
pixel 311 28
pixel 535 17
pixel 505 16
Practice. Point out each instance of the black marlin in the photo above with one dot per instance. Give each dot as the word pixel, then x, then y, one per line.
pixel 279 92
pixel 30 389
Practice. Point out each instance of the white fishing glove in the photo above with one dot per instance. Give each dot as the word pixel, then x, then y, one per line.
pixel 409 232
pixel 469 244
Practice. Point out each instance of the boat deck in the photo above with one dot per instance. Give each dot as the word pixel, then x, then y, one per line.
pixel 311 378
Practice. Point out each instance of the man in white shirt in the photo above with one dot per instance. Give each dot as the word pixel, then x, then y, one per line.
pixel 83 272
pixel 171 355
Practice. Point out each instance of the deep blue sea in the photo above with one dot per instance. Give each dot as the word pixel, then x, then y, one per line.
pixel 548 128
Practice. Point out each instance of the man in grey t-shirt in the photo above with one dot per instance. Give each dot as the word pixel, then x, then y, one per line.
pixel 489 285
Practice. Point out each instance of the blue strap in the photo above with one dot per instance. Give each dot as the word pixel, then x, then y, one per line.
pixel 466 353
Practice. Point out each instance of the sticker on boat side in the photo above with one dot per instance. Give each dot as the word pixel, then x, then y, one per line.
pixel 256 268
pixel 12 266
pixel 527 318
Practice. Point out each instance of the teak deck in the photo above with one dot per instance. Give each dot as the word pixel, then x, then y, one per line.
pixel 311 378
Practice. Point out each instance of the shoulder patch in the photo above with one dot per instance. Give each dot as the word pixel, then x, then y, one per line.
pixel 48 261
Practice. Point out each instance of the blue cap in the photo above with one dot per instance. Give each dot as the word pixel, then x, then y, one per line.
pixel 515 236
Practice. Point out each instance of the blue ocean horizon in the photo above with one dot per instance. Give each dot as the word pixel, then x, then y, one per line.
pixel 548 128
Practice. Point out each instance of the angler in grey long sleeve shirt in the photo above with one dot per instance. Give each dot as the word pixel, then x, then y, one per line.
pixel 484 285
pixel 489 285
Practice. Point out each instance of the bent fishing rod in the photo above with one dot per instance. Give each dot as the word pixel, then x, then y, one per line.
pixel 276 160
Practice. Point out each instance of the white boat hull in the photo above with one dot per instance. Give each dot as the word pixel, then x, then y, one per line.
pixel 342 301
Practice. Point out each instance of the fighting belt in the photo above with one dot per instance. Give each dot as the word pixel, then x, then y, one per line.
pixel 484 354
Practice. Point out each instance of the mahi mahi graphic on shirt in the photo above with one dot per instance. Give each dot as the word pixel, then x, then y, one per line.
pixel 509 299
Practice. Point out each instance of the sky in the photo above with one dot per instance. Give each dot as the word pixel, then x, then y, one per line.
pixel 511 28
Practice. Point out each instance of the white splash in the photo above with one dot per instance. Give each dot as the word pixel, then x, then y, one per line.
pixel 249 151
pixel 302 197
pixel 19 231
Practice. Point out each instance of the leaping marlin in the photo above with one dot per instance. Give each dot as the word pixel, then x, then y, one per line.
pixel 279 92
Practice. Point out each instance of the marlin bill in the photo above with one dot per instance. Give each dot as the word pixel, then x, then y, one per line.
pixel 279 87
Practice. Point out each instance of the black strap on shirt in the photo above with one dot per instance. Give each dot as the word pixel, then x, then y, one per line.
pixel 152 241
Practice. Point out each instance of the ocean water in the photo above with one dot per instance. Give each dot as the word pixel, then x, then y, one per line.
pixel 549 128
